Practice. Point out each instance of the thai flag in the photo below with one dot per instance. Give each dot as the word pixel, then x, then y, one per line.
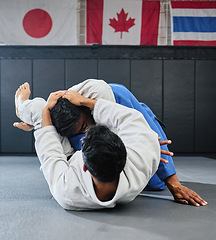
pixel 193 23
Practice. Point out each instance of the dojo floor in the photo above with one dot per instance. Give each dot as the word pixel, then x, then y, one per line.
pixel 28 211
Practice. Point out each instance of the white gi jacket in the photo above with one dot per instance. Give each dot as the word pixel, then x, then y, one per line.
pixel 71 186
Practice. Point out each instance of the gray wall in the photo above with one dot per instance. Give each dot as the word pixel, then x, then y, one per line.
pixel 177 83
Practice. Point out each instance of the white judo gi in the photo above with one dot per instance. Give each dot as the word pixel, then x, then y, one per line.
pixel 72 187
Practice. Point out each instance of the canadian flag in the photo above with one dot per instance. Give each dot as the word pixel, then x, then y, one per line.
pixel 127 22
pixel 38 22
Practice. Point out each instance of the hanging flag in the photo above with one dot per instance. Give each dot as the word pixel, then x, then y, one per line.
pixel 41 22
pixel 127 22
pixel 193 23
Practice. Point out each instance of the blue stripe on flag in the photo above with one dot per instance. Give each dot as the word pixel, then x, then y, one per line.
pixel 194 24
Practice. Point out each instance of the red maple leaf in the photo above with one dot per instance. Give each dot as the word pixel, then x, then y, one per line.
pixel 122 24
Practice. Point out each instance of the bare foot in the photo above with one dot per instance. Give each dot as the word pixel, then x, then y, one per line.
pixel 23 126
pixel 22 94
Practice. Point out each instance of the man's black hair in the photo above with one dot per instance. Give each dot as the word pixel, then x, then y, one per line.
pixel 104 153
pixel 64 116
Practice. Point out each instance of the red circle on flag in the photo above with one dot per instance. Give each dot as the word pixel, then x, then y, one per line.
pixel 37 23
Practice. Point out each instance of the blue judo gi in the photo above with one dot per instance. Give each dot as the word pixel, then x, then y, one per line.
pixel 124 97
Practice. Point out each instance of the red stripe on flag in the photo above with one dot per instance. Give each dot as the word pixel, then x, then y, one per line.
pixel 94 21
pixel 194 4
pixel 150 22
pixel 193 43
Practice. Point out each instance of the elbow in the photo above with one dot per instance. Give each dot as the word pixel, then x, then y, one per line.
pixel 61 199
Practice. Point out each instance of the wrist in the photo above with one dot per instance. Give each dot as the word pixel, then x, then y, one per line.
pixel 46 109
pixel 90 103
pixel 172 181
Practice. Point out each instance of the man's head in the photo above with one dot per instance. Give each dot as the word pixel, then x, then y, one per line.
pixel 69 119
pixel 104 153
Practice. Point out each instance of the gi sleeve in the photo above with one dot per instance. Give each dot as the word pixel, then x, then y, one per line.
pixel 63 180
pixel 94 89
pixel 142 145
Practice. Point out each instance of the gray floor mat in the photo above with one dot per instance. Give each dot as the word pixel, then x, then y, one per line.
pixel 28 210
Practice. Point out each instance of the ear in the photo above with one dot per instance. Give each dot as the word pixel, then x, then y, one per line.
pixel 84 168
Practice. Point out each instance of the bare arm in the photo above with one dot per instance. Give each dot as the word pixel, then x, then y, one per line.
pixel 52 100
pixel 79 100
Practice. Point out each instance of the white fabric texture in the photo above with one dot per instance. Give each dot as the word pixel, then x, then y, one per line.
pixel 94 89
pixel 72 187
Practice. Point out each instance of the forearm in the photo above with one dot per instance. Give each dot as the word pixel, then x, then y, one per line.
pixel 54 164
pixel 141 142
pixel 87 102
pixel 172 181
pixel 165 170
pixel 46 118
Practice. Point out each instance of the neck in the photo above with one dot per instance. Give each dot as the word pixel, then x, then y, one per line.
pixel 105 191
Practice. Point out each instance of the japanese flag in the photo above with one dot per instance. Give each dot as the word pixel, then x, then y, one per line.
pixel 128 22
pixel 38 22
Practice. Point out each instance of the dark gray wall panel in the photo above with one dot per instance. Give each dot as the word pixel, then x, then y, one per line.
pixel 80 70
pixel 146 83
pixel 179 103
pixel 162 77
pixel 13 74
pixel 48 76
pixel 115 71
pixel 205 130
